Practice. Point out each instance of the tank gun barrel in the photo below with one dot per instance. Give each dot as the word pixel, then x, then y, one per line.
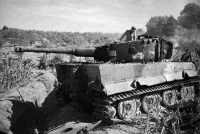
pixel 77 52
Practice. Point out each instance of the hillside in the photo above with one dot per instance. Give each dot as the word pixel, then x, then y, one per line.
pixel 18 37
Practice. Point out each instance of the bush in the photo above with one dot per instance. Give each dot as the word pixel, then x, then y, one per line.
pixel 46 62
pixel 186 40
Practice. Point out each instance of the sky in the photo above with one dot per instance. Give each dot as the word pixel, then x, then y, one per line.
pixel 85 15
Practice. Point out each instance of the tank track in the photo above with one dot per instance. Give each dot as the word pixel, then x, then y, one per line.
pixel 102 105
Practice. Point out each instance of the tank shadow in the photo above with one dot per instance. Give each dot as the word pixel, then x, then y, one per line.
pixel 26 117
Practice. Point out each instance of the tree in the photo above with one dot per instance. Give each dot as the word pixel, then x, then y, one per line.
pixel 155 25
pixel 190 16
pixel 161 26
pixel 170 27
pixel 5 28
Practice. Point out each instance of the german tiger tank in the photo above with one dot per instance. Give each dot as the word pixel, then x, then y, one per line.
pixel 126 79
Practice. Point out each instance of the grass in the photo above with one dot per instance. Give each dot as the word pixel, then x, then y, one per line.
pixel 14 74
pixel 177 121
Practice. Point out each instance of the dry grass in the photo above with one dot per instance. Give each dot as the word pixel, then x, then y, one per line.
pixel 14 74
pixel 17 73
pixel 177 121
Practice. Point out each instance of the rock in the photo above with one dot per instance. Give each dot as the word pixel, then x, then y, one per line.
pixel 5 115
pixel 49 80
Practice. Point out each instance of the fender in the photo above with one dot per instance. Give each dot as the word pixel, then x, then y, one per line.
pixel 129 85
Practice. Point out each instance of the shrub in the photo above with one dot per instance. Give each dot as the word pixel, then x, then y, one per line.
pixel 49 62
pixel 186 40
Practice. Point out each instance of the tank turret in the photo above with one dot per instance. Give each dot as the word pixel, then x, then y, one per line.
pixel 144 49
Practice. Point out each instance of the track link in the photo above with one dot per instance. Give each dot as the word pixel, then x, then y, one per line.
pixel 102 104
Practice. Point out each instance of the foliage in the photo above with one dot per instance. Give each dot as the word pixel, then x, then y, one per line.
pixel 45 62
pixel 153 25
pixel 190 16
pixel 161 26
pixel 13 75
pixel 167 26
pixel 54 39
pixel 5 28
pixel 2 42
pixel 170 27
pixel 186 40
pixel 184 32
pixel 177 120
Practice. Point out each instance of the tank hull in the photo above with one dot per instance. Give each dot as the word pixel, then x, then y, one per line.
pixel 116 78
pixel 108 87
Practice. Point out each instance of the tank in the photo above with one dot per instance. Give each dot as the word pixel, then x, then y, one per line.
pixel 126 80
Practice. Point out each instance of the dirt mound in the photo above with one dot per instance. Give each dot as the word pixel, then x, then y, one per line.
pixel 21 110
pixel 34 106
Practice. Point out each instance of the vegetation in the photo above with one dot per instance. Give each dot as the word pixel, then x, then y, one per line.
pixel 45 62
pixel 190 16
pixel 161 26
pixel 167 26
pixel 184 31
pixel 186 40
pixel 175 121
pixel 54 39
pixel 14 74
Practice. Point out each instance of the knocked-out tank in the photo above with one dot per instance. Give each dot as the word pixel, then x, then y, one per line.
pixel 126 79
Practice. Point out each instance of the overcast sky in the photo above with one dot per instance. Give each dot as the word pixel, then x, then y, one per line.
pixel 85 15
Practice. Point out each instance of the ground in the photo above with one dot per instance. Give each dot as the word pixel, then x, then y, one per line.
pixel 34 106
